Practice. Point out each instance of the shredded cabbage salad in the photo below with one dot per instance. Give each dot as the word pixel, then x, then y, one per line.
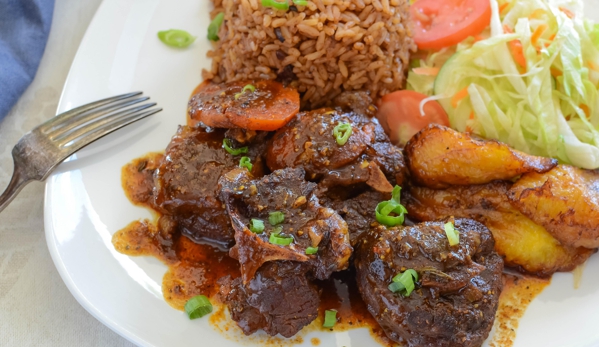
pixel 530 80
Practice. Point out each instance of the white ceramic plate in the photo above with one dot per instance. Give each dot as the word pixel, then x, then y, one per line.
pixel 85 204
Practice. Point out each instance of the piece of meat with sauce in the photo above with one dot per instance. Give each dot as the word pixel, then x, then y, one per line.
pixel 564 200
pixel 523 243
pixel 355 101
pixel 357 211
pixel 456 296
pixel 306 222
pixel 279 299
pixel 267 105
pixel 439 157
pixel 186 182
pixel 367 156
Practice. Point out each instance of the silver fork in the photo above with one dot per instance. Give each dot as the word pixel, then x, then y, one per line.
pixel 39 151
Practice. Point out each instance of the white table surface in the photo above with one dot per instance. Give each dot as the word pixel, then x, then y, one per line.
pixel 36 309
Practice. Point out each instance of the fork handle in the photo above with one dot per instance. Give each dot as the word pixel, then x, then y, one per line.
pixel 17 182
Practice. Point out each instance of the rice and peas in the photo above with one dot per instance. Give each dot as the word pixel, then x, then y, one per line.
pixel 321 47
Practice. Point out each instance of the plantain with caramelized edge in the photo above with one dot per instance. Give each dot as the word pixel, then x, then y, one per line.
pixel 439 157
pixel 522 243
pixel 564 200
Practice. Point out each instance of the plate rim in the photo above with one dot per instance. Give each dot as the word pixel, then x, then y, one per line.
pixel 53 248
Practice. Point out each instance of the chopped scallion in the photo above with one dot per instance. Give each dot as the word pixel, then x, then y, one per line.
pixel 342 132
pixel 233 151
pixel 411 272
pixel 391 212
pixel 311 250
pixel 283 5
pixel 396 194
pixel 198 307
pixel 280 240
pixel 176 38
pixel 277 230
pixel 453 235
pixel 246 163
pixel 403 282
pixel 247 87
pixel 214 26
pixel 396 287
pixel 276 217
pixel 256 226
pixel 330 318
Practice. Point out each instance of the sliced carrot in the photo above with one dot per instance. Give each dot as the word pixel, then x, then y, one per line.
pixel 585 109
pixel 503 7
pixel 550 40
pixel 427 71
pixel 268 106
pixel 568 13
pixel 555 72
pixel 516 48
pixel 534 38
pixel 458 97
pixel 518 53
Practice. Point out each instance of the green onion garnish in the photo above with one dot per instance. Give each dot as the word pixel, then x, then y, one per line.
pixel 311 250
pixel 198 306
pixel 276 217
pixel 403 282
pixel 256 226
pixel 330 318
pixel 233 151
pixel 300 2
pixel 283 5
pixel 396 287
pixel 277 230
pixel 176 38
pixel 384 210
pixel 246 163
pixel 247 87
pixel 452 234
pixel 215 26
pixel 342 132
pixel 280 240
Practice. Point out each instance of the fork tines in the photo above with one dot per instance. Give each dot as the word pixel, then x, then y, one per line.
pixel 85 124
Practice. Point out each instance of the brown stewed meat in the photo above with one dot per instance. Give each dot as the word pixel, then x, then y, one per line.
pixel 187 181
pixel 367 156
pixel 274 292
pixel 357 211
pixel 457 293
pixel 279 299
pixel 304 224
pixel 356 101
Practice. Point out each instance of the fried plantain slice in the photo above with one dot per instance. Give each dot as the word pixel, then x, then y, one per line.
pixel 523 243
pixel 564 200
pixel 439 157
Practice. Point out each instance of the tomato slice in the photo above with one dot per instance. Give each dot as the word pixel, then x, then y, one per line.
pixel 444 23
pixel 399 114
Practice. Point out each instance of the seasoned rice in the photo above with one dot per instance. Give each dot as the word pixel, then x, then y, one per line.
pixel 323 48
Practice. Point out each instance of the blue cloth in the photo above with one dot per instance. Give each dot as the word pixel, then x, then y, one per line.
pixel 24 28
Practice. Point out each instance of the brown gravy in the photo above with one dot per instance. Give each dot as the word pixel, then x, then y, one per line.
pixel 517 294
pixel 195 269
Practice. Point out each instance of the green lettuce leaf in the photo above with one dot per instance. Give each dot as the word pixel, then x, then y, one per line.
pixel 548 108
